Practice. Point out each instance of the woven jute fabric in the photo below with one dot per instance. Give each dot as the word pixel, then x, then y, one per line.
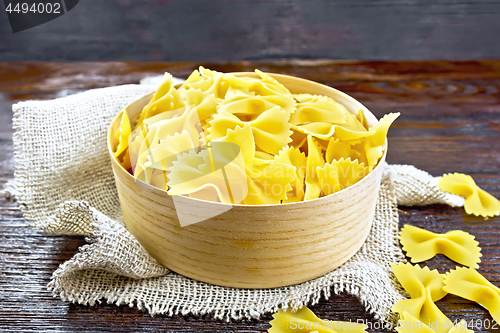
pixel 65 185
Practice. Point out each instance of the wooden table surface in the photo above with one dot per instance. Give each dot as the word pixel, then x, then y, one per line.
pixel 450 121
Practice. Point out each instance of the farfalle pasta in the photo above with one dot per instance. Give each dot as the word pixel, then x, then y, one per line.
pixel 425 287
pixel 458 245
pixel 248 140
pixel 469 284
pixel 477 201
pixel 304 320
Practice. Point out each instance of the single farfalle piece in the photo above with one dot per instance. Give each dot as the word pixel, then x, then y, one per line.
pixel 168 150
pixel 458 245
pixel 350 172
pixel 122 134
pixel 269 80
pixel 216 173
pixel 176 121
pixel 425 287
pixel 478 202
pixel 318 109
pixel 246 104
pixel 264 86
pixel 320 130
pixel 470 284
pixel 139 152
pixel 329 178
pixel 135 141
pixel 207 81
pixel 268 181
pixel 203 103
pixel 340 174
pixel 296 158
pixel 381 129
pixel 304 320
pixel 374 145
pixel 351 130
pixel 315 162
pixel 409 324
pixel 337 149
pixel 243 137
pixel 361 118
pixel 165 98
pixel 270 129
pixel 158 128
pixel 298 138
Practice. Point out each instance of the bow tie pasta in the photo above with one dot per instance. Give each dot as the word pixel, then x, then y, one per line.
pixel 247 140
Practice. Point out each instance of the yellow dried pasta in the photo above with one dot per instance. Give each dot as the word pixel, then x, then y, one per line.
pixel 208 81
pixel 374 143
pixel 318 109
pixel 352 130
pixel 263 186
pixel 350 172
pixel 165 98
pixel 264 87
pixel 340 174
pixel 469 284
pixel 315 160
pixel 215 172
pixel 294 157
pixel 160 126
pixel 458 245
pixel 162 155
pixel 292 147
pixel 122 134
pixel 337 149
pixel 477 201
pixel 239 101
pixel 424 287
pixel 304 320
pixel 271 129
pixel 319 130
pixel 203 103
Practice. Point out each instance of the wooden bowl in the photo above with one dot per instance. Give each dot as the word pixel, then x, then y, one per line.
pixel 251 246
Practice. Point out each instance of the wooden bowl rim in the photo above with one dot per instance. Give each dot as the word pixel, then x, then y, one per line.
pixel 274 75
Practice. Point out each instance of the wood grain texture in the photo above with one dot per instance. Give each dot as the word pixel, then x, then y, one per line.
pixel 450 122
pixel 228 30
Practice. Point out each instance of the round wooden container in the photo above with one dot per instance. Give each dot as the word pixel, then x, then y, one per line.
pixel 251 246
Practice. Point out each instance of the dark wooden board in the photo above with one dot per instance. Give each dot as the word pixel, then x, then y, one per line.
pixel 450 122
pixel 228 30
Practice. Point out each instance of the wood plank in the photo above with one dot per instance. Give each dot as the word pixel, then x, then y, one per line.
pixel 224 30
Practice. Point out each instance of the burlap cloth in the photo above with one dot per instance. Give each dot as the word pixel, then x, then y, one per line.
pixel 65 185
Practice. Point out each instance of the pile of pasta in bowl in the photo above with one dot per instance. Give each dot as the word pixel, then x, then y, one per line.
pixel 247 140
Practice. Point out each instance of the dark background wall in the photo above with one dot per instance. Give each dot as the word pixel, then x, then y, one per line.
pixel 219 30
